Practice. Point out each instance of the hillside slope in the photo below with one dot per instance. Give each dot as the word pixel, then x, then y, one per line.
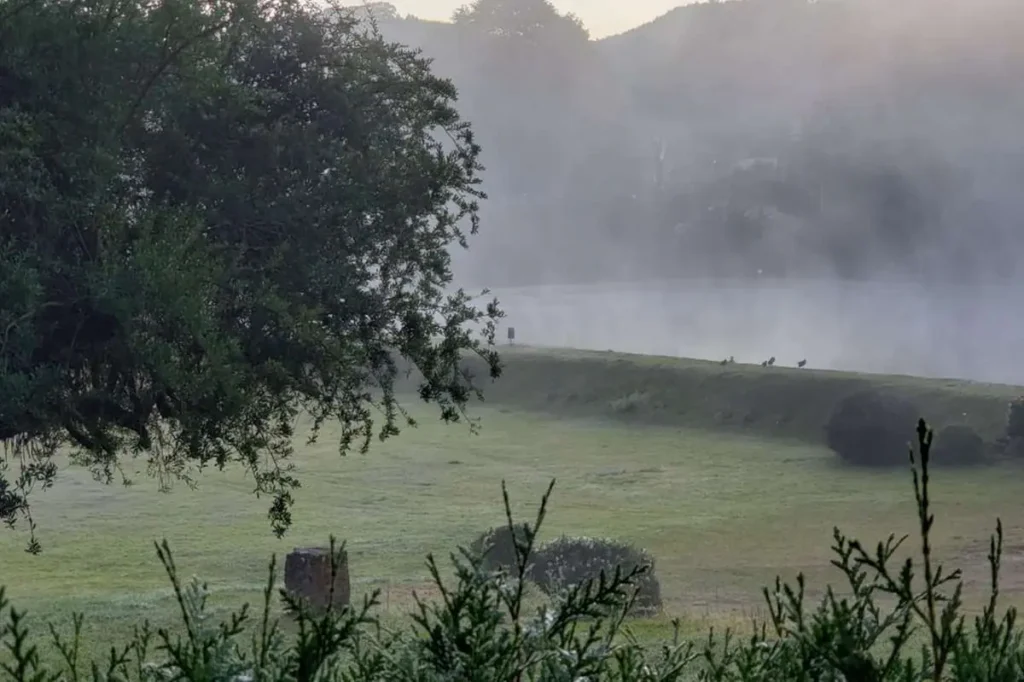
pixel 774 402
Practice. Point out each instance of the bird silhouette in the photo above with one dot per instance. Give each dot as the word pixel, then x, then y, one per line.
pixel 771 361
pixel 764 364
pixel 802 363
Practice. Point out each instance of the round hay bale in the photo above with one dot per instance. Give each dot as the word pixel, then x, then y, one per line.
pixel 307 576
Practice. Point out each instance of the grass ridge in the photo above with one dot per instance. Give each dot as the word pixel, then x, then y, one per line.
pixel 777 402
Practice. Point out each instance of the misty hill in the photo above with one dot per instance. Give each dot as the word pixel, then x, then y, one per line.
pixel 851 138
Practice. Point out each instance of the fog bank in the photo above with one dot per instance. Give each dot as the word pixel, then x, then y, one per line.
pixel 966 332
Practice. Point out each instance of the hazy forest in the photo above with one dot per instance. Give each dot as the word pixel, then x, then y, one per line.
pixel 840 138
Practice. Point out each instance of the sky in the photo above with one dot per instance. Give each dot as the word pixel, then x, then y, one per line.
pixel 602 17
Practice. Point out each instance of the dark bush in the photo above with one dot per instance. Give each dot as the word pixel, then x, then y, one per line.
pixel 1015 419
pixel 569 561
pixel 1012 447
pixel 958 445
pixel 498 548
pixel 870 428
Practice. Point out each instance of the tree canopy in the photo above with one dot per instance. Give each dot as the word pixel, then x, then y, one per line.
pixel 537 21
pixel 214 217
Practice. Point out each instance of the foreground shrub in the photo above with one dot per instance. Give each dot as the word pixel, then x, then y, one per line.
pixel 959 445
pixel 569 561
pixel 479 629
pixel 871 428
pixel 497 547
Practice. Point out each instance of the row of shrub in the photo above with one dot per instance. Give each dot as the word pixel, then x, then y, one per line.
pixel 869 428
pixel 890 621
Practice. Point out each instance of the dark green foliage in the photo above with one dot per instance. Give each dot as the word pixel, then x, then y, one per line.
pixel 1015 419
pixel 959 445
pixel 865 630
pixel 536 20
pixel 1013 441
pixel 568 561
pixel 216 216
pixel 497 547
pixel 869 428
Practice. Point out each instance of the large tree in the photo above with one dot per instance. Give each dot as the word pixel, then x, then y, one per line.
pixel 214 217
pixel 535 20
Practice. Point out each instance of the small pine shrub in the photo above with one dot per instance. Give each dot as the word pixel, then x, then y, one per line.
pixel 870 428
pixel 958 445
pixel 568 561
pixel 496 547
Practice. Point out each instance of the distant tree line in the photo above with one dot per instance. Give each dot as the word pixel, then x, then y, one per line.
pixel 848 138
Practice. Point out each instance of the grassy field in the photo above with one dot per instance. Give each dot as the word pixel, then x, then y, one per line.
pixel 777 402
pixel 723 507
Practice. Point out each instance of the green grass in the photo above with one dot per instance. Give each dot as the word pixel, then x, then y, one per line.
pixel 722 514
pixel 778 402
pixel 722 507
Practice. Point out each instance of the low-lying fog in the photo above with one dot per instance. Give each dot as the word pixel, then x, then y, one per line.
pixel 832 145
pixel 964 332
